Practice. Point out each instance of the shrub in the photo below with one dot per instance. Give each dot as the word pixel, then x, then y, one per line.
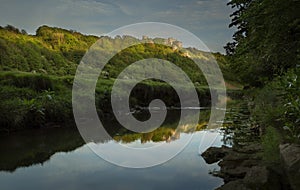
pixel 270 143
pixel 37 82
pixel 278 105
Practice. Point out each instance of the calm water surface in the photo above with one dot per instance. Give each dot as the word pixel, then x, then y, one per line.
pixel 57 158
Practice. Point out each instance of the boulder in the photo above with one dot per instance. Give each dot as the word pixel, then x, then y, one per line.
pixel 236 156
pixel 257 175
pixel 230 174
pixel 249 148
pixel 260 177
pixel 215 154
pixel 234 185
pixel 290 157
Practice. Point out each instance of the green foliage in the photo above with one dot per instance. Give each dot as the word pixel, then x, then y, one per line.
pixel 57 51
pixel 278 105
pixel 51 51
pixel 266 43
pixel 268 106
pixel 18 113
pixel 148 50
pixel 71 44
pixel 265 53
pixel 37 82
pixel 290 95
pixel 28 100
pixel 57 106
pixel 36 73
pixel 270 143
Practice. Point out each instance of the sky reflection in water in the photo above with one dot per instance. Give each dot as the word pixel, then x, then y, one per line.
pixel 82 169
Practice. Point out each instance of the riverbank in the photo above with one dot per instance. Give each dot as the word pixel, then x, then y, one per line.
pixel 32 100
pixel 245 168
pixel 255 157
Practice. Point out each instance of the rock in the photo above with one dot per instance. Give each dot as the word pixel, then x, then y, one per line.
pixel 229 174
pixel 243 168
pixel 256 177
pixel 249 148
pixel 290 156
pixel 215 154
pixel 236 156
pixel 234 185
pixel 250 163
pixel 259 177
pixel 235 165
pixel 243 163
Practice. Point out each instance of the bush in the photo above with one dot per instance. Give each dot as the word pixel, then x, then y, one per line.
pixel 278 105
pixel 37 82
pixel 27 100
pixel 270 143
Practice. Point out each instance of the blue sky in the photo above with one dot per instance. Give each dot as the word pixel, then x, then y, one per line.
pixel 207 19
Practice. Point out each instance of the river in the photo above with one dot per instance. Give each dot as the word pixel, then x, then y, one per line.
pixel 58 158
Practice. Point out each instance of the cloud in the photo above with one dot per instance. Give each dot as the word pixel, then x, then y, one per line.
pixel 89 7
pixel 205 18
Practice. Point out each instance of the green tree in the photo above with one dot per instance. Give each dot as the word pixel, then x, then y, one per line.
pixel 266 42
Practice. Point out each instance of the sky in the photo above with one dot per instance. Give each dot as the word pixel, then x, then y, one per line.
pixel 207 19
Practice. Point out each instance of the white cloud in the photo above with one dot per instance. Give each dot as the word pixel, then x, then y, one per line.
pixel 86 7
pixel 202 17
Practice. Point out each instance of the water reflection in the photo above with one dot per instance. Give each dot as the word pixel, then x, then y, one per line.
pixel 58 158
pixel 38 145
pixel 35 146
pixel 82 169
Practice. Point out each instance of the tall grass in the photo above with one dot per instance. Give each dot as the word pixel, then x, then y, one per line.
pixel 270 142
pixel 32 100
pixel 36 82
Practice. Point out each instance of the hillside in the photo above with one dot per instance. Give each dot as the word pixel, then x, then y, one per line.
pixel 52 50
pixel 37 72
pixel 57 51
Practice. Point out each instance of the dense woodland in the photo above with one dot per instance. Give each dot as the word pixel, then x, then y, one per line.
pixel 264 56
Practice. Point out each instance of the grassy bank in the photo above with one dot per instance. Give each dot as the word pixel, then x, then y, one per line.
pixel 277 105
pixel 275 110
pixel 36 100
pixel 32 100
pixel 37 71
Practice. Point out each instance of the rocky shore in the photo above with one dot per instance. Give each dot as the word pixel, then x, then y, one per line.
pixel 244 168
